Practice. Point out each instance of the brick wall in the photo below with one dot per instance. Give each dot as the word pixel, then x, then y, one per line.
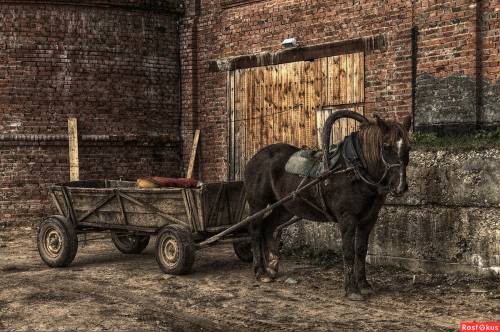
pixel 446 58
pixel 457 49
pixel 111 64
pixel 115 66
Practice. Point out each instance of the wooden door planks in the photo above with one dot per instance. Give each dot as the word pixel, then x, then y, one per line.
pixel 290 102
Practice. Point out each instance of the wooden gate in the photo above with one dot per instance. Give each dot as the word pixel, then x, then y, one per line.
pixel 289 103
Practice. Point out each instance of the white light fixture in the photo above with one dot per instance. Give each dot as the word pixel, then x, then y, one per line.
pixel 289 43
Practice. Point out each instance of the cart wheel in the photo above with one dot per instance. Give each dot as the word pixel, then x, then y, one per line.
pixel 243 249
pixel 175 250
pixel 129 243
pixel 57 241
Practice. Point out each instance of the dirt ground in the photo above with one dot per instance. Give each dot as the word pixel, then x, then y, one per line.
pixel 107 290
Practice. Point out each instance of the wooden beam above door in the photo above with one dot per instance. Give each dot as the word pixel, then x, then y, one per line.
pixel 306 53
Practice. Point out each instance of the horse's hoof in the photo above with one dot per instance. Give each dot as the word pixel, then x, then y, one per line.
pixel 271 272
pixel 367 291
pixel 355 297
pixel 265 279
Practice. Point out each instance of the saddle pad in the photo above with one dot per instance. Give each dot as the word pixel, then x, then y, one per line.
pixel 309 163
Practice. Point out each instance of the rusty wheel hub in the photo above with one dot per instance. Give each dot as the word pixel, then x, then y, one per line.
pixel 53 242
pixel 170 252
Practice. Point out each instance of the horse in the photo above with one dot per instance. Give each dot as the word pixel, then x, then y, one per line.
pixel 351 197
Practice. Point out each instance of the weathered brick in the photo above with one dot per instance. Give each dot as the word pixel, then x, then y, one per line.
pixel 446 50
pixel 111 64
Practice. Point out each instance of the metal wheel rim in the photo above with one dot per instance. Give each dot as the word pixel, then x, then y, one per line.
pixel 169 251
pixel 53 241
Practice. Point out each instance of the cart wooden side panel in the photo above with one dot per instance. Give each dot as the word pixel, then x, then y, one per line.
pixel 119 203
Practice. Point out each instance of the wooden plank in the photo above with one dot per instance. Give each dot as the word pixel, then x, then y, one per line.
pixel 257 138
pixel 325 87
pixel 268 120
pixel 122 210
pixel 361 78
pixel 232 125
pixel 154 209
pixel 330 77
pixel 289 103
pixel 313 101
pixel 378 42
pixel 284 103
pixel 350 84
pixel 245 120
pixel 275 104
pixel 240 105
pixel 74 170
pixel 317 101
pixel 307 102
pixel 280 102
pixel 192 158
pixel 355 96
pixel 189 210
pixel 319 125
pixel 262 141
pixel 343 79
pixel 334 80
pixel 255 115
pixel 99 204
pixel 56 202
pixel 295 89
pixel 250 102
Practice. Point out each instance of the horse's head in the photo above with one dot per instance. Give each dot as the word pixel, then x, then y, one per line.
pixel 386 150
pixel 385 146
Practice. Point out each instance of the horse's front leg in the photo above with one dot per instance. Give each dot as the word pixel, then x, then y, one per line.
pixel 272 247
pixel 362 236
pixel 347 225
pixel 271 243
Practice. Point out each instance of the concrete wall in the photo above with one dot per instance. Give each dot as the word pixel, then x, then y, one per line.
pixel 448 221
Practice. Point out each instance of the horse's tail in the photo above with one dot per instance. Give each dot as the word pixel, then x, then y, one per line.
pixel 327 130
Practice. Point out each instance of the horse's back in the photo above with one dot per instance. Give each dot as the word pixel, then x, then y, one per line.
pixel 262 168
pixel 270 157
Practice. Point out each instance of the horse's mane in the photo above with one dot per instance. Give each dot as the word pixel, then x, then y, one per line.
pixel 372 138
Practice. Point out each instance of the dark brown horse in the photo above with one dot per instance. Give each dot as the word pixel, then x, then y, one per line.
pixel 351 198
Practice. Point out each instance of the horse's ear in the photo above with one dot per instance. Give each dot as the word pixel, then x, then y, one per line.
pixel 381 123
pixel 407 122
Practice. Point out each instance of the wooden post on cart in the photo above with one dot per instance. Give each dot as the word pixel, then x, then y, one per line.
pixel 74 171
pixel 192 158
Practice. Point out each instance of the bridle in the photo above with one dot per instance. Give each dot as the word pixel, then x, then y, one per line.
pixel 387 167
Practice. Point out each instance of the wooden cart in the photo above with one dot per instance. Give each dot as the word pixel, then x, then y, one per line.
pixel 184 220
pixel 181 218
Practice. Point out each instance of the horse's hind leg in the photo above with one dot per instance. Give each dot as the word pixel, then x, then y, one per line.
pixel 272 239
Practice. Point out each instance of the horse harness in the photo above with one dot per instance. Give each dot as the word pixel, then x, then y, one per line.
pixel 353 157
pixel 352 154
